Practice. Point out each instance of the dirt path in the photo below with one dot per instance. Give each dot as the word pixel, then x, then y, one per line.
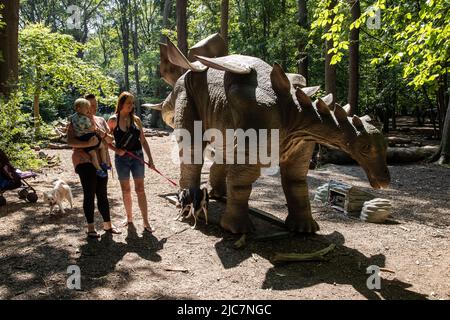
pixel 35 249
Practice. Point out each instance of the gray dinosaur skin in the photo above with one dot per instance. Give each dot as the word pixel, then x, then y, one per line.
pixel 264 100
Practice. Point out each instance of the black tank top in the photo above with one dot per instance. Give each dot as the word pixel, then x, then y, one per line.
pixel 135 143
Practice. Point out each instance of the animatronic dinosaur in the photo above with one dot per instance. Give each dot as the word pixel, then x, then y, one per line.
pixel 237 91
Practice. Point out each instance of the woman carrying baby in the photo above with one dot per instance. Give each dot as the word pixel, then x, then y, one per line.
pixel 93 184
pixel 130 140
pixel 84 128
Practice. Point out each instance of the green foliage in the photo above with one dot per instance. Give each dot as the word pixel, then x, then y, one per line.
pixel 336 19
pixel 204 19
pixel 417 36
pixel 422 39
pixel 17 132
pixel 411 47
pixel 260 28
pixel 50 68
pixel 2 24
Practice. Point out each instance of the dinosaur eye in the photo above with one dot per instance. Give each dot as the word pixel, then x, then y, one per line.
pixel 365 148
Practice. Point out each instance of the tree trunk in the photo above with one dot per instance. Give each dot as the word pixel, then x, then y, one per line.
pixel 353 64
pixel 224 22
pixel 166 14
pixel 182 26
pixel 124 39
pixel 330 70
pixel 382 109
pixel 445 142
pixel 126 47
pixel 36 108
pixel 442 101
pixel 133 19
pixel 302 43
pixel 394 110
pixel 156 115
pixel 9 47
pixel 395 155
pixel 84 37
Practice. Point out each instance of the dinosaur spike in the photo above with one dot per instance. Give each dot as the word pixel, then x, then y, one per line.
pixel 328 99
pixel 169 72
pixel 357 123
pixel 304 100
pixel 157 106
pixel 227 63
pixel 297 80
pixel 212 46
pixel 347 108
pixel 280 82
pixel 366 118
pixel 310 90
pixel 340 113
pixel 177 58
pixel 322 107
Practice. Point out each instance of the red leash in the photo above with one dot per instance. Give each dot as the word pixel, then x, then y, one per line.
pixel 154 169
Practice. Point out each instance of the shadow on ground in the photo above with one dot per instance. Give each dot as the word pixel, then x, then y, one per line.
pixel 346 266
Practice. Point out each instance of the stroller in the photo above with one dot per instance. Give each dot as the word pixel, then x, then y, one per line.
pixel 12 178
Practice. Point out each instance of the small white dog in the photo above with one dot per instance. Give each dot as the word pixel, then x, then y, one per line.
pixel 61 191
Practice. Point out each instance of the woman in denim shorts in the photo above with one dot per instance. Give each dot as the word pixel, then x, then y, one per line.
pixel 129 137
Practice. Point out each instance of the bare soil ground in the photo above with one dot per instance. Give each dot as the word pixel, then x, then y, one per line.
pixel 177 262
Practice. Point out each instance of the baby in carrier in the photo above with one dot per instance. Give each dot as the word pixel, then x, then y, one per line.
pixel 84 129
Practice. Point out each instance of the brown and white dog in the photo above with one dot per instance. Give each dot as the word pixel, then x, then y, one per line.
pixel 60 192
pixel 192 202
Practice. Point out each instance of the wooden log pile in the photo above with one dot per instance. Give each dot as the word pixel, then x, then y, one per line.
pixel 52 161
pixel 156 132
pixel 395 155
pixel 60 132
pixel 59 139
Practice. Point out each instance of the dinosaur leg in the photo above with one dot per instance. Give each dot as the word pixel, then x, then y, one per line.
pixel 190 175
pixel 217 180
pixel 190 147
pixel 190 169
pixel 239 186
pixel 293 179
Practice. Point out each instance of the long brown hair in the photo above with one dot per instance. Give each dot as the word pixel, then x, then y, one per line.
pixel 121 101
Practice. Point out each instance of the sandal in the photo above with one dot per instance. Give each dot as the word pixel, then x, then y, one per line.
pixel 127 224
pixel 93 234
pixel 112 231
pixel 149 229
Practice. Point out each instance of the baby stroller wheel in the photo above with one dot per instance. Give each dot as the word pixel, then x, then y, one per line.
pixel 2 201
pixel 23 194
pixel 32 197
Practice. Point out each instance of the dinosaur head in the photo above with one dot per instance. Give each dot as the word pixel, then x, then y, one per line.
pixel 173 65
pixel 167 108
pixel 328 123
pixel 357 136
pixel 368 147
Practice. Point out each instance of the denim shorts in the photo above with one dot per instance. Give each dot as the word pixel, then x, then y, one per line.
pixel 127 164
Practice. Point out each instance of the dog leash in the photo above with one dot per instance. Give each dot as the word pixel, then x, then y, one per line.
pixel 154 169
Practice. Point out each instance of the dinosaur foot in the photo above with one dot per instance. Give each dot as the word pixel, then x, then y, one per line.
pixel 301 225
pixel 237 223
pixel 216 193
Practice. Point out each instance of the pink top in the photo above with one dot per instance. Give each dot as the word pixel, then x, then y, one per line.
pixel 80 156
